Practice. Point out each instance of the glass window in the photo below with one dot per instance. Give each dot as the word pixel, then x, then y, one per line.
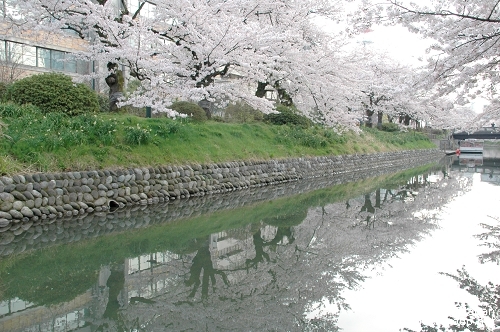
pixel 82 67
pixel 148 10
pixel 133 265
pixel 28 55
pixel 17 305
pixel 21 53
pixel 13 52
pixel 9 8
pixel 56 60
pixel 70 65
pixel 43 58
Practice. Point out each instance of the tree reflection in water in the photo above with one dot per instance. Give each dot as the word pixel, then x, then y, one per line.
pixel 261 256
pixel 202 271
pixel 286 269
pixel 488 295
pixel 291 269
pixel 491 240
pixel 203 261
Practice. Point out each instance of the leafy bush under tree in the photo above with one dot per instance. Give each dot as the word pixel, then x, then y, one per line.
pixel 287 116
pixel 390 127
pixel 241 113
pixel 190 109
pixel 53 92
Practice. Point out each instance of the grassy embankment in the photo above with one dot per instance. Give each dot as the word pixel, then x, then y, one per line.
pixel 34 142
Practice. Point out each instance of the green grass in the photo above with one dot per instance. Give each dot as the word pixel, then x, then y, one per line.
pixel 57 142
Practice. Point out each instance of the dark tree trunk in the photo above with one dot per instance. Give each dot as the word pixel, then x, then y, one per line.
pixel 407 120
pixel 377 198
pixel 369 121
pixel 284 97
pixel 261 89
pixel 379 119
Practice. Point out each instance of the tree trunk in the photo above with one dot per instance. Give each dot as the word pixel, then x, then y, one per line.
pixel 369 121
pixel 407 120
pixel 377 198
pixel 379 119
pixel 261 89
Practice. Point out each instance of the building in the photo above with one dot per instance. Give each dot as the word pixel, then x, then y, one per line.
pixel 27 53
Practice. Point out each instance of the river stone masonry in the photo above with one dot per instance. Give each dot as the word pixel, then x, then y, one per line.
pixel 29 198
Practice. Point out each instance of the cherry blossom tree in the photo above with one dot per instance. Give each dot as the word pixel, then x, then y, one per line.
pixel 385 89
pixel 490 115
pixel 393 89
pixel 491 238
pixel 464 58
pixel 445 115
pixel 188 49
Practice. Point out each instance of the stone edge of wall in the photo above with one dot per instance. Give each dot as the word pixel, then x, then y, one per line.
pixel 28 198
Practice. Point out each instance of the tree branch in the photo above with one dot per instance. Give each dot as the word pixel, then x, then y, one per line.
pixel 447 13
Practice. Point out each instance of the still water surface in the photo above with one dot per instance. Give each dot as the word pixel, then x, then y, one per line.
pixel 409 289
pixel 356 256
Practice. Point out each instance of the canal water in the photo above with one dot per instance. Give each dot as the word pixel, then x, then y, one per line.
pixel 377 254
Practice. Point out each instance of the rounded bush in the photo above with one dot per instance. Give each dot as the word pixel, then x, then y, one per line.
pixel 190 109
pixel 53 92
pixel 390 127
pixel 287 116
pixel 241 113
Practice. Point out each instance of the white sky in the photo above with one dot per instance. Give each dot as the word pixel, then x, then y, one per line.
pixel 405 47
pixel 398 42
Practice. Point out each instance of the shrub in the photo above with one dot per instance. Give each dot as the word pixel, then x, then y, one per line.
pixel 103 101
pixel 390 127
pixel 437 132
pixel 53 92
pixel 217 118
pixel 132 86
pixel 288 116
pixel 191 109
pixel 241 113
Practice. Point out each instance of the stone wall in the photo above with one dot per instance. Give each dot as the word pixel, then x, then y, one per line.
pixel 32 198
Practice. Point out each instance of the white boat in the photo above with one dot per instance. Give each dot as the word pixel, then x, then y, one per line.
pixel 471 146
